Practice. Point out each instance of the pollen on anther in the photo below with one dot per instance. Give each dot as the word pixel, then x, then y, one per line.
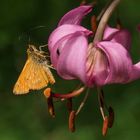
pixel 47 92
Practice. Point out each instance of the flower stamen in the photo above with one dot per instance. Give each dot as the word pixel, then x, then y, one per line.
pixel 48 95
pixel 69 104
pixel 93 23
pixel 105 126
pixel 72 121
pixel 83 2
pixel 101 102
pixel 69 95
pixel 111 117
pixel 82 103
pixel 107 120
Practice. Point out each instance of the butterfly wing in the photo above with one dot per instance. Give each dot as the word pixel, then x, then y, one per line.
pixel 32 77
pixel 49 73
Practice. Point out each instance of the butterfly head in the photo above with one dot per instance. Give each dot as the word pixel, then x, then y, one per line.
pixel 31 49
pixel 36 55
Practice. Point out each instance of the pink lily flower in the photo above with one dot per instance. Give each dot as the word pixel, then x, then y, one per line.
pixel 73 57
pixel 96 63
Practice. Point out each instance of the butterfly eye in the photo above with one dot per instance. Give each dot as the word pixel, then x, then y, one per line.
pixel 58 52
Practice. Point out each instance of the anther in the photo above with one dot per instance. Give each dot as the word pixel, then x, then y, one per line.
pixel 111 117
pixel 48 95
pixel 51 107
pixel 119 24
pixel 83 2
pixel 105 126
pixel 47 92
pixel 72 121
pixel 93 23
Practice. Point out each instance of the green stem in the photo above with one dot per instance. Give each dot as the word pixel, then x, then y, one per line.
pixel 104 20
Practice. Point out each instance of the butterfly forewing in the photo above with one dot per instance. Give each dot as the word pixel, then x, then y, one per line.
pixel 21 85
pixel 37 79
pixel 34 76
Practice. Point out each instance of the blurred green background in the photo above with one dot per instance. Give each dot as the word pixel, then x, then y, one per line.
pixel 26 117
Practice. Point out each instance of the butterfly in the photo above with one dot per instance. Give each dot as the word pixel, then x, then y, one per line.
pixel 36 72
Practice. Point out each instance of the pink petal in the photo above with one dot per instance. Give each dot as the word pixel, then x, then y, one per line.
pixel 97 69
pixel 57 49
pixel 75 16
pixel 64 30
pixel 100 72
pixel 120 65
pixel 135 74
pixel 71 63
pixel 121 36
pixel 109 33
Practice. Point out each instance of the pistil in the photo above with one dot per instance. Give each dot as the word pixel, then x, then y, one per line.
pixel 64 96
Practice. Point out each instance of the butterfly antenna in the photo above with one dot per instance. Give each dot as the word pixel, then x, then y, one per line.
pixel 27 32
pixel 37 27
pixel 42 46
pixel 29 40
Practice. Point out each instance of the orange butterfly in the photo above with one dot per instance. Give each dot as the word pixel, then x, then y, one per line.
pixel 36 73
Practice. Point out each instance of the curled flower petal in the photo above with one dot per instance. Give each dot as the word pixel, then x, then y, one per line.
pixel 57 49
pixel 76 15
pixel 72 59
pixel 120 65
pixel 124 38
pixel 109 33
pixel 135 74
pixel 63 31
pixel 120 36
pixel 97 66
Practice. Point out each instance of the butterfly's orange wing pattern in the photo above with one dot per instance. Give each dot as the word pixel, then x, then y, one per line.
pixel 35 74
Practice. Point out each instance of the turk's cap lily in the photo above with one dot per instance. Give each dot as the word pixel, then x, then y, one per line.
pixel 100 63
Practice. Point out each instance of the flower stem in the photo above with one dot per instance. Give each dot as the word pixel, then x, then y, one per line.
pixel 104 20
pixel 103 10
